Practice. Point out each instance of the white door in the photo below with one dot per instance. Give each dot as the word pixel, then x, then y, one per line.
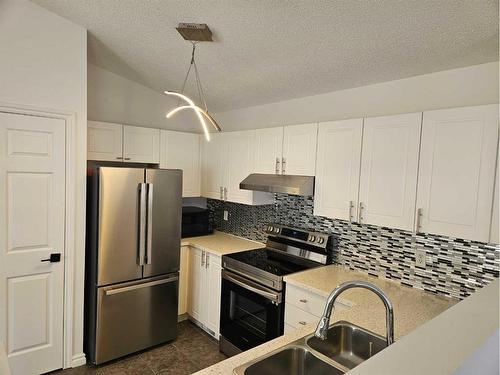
pixel 389 168
pixel 238 161
pixel 32 191
pixel 104 141
pixel 299 149
pixel 268 150
pixel 182 151
pixel 337 169
pixel 213 287
pixel 195 284
pixel 212 168
pixel 457 169
pixel 141 145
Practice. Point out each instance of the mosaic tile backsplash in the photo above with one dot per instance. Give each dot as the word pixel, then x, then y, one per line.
pixel 454 267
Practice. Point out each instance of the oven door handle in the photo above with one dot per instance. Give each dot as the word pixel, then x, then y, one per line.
pixel 275 297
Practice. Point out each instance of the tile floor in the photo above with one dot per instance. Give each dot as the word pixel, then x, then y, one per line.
pixel 192 351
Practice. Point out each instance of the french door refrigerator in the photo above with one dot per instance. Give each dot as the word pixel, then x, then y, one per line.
pixel 132 259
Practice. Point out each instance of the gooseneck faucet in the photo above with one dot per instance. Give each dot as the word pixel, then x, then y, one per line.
pixel 324 322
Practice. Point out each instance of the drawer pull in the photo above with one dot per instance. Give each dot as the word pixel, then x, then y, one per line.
pixel 303 323
pixel 303 300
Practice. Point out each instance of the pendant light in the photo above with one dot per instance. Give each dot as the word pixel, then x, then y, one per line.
pixel 194 33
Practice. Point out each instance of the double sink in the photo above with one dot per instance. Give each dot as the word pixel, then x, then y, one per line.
pixel 345 347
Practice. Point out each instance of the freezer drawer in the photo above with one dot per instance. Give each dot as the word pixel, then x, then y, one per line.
pixel 135 315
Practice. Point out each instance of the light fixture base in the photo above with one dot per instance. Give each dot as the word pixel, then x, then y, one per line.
pixel 195 32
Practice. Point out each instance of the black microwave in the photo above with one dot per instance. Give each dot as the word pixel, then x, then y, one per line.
pixel 195 222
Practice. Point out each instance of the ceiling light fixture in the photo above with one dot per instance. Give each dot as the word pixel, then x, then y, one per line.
pixel 194 33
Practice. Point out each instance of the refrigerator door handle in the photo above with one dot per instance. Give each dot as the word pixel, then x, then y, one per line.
pixel 149 229
pixel 142 224
pixel 110 292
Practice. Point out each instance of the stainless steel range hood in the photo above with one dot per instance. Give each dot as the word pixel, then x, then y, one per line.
pixel 275 183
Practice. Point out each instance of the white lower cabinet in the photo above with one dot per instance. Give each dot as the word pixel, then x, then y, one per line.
pixel 183 280
pixel 204 289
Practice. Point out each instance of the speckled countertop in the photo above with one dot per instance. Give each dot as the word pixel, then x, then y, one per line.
pixel 412 308
pixel 221 243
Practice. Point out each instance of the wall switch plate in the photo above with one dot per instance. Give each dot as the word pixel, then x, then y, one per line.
pixel 226 215
pixel 420 258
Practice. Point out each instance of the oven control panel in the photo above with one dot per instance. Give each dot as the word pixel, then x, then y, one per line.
pixel 312 238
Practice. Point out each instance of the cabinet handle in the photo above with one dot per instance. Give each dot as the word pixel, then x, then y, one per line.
pixel 283 165
pixel 220 190
pixel 126 158
pixel 119 157
pixel 202 258
pixel 302 322
pixel 360 212
pixel 225 194
pixel 351 206
pixel 418 225
pixel 303 300
pixel 277 167
pixel 207 257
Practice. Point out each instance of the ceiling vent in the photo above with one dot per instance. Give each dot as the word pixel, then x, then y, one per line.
pixel 195 32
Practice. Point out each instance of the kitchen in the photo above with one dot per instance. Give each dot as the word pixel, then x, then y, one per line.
pixel 336 210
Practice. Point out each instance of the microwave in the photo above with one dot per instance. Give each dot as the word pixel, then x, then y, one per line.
pixel 195 222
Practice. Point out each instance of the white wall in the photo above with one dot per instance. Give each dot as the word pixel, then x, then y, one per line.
pixel 472 85
pixel 43 60
pixel 113 98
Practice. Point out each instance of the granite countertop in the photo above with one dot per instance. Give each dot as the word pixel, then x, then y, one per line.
pixel 221 243
pixel 412 308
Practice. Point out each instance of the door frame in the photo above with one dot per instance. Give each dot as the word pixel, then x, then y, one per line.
pixel 72 206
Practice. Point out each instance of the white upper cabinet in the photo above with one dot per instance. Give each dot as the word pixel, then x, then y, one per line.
pixel 212 170
pixel 299 149
pixel 457 169
pixel 268 150
pixel 337 169
pixel 182 151
pixel 104 141
pixel 141 145
pixel 389 168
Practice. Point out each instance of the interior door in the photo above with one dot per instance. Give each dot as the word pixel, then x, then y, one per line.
pixel 118 252
pixel 164 212
pixel 32 191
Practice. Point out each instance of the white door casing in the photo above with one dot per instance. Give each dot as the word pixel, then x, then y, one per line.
pixel 389 169
pixel 338 164
pixel 32 226
pixel 457 169
pixel 299 149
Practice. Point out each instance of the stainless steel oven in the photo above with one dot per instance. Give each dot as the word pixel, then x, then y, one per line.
pixel 251 314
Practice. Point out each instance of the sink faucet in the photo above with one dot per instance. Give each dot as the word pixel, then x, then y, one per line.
pixel 324 322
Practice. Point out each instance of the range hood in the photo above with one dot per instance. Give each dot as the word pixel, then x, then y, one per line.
pixel 276 183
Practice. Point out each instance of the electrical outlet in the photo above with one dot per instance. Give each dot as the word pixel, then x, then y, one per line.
pixel 420 258
pixel 226 215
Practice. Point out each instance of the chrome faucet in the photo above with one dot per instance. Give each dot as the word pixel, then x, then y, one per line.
pixel 324 322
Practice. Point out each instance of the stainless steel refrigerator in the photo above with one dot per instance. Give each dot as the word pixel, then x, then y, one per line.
pixel 132 259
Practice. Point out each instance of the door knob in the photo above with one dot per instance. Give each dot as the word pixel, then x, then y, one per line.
pixel 54 258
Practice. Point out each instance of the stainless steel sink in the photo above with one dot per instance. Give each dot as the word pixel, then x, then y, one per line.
pixel 292 360
pixel 348 344
pixel 345 347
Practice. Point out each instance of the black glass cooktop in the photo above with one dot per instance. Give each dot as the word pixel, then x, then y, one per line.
pixel 270 261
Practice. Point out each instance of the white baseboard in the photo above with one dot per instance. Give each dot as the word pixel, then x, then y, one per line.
pixel 78 360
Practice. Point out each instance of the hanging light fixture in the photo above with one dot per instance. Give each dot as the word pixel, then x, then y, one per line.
pixel 194 33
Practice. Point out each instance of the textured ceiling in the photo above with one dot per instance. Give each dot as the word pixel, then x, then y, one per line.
pixel 267 51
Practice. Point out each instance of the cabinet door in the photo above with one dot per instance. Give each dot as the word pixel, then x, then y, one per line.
pixel 212 169
pixel 337 169
pixel 141 145
pixel 104 141
pixel 183 280
pixel 457 169
pixel 182 151
pixel 268 150
pixel 299 149
pixel 213 292
pixel 196 284
pixel 238 161
pixel 495 223
pixel 389 168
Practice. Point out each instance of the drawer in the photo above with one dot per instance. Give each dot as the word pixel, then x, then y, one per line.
pixel 304 300
pixel 297 318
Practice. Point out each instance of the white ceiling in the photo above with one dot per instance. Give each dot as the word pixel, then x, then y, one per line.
pixel 268 51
